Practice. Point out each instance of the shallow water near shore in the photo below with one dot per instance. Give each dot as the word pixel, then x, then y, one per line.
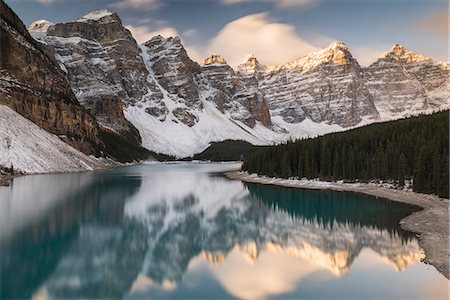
pixel 185 231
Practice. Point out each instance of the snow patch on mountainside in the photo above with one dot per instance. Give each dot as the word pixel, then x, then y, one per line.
pixel 31 149
pixel 180 140
pixel 95 15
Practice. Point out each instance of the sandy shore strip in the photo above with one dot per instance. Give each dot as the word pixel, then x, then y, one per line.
pixel 431 224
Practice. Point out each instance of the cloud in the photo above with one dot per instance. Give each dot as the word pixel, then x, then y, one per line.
pixel 142 33
pixel 190 32
pixel 277 3
pixel 270 42
pixel 45 2
pixel 137 4
pixel 436 23
pixel 231 2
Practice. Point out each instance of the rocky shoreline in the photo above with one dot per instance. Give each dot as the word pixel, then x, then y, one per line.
pixel 6 175
pixel 430 224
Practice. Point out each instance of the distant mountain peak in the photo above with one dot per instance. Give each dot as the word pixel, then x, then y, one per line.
pixel 161 42
pixel 250 63
pixel 338 45
pixel 336 53
pixel 250 60
pixel 214 59
pixel 400 53
pixel 156 39
pixel 39 27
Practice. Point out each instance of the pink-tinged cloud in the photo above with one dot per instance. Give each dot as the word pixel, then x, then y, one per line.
pixel 142 33
pixel 436 23
pixel 269 41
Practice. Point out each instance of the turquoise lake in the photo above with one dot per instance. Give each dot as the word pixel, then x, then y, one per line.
pixel 184 231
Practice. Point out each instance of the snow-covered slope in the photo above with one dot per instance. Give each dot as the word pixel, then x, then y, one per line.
pixel 30 149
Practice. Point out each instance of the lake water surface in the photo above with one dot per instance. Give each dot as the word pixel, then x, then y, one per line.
pixel 184 231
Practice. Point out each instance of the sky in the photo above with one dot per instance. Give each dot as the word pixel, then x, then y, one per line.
pixel 275 31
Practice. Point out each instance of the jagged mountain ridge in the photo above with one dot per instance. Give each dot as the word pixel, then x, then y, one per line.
pixel 179 106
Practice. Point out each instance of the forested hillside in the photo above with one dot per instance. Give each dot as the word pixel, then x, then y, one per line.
pixel 228 150
pixel 416 148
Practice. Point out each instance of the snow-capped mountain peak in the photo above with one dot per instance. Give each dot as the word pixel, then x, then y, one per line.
pixel 250 64
pixel 214 59
pixel 40 25
pixel 95 15
pixel 156 39
pixel 400 53
pixel 337 53
pixel 338 45
pixel 159 42
pixel 251 61
pixel 39 28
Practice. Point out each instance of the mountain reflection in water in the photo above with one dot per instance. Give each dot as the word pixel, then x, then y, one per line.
pixel 182 231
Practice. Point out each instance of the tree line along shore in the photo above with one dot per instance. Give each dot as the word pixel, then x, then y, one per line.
pixel 413 151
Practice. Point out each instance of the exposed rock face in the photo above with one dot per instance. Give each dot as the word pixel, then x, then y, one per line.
pixel 175 72
pixel 324 86
pixel 215 59
pixel 102 63
pixel 405 82
pixel 32 84
pixel 234 93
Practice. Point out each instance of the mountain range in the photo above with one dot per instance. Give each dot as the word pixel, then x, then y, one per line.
pixel 86 76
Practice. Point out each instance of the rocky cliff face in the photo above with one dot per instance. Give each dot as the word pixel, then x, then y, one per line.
pixel 235 93
pixel 403 82
pixel 325 86
pixel 102 63
pixel 175 72
pixel 32 84
pixel 179 106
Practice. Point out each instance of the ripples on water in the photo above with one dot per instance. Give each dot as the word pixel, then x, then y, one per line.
pixel 183 231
